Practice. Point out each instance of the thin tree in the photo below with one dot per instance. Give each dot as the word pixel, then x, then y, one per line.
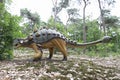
pixel 57 8
pixel 102 24
pixel 84 22
pixel 102 13
pixel 55 11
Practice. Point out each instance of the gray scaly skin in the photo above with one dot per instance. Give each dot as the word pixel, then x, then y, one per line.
pixel 44 35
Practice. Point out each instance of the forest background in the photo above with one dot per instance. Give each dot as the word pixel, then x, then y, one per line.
pixel 78 26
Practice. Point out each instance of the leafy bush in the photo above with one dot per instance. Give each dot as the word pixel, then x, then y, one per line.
pixel 9 29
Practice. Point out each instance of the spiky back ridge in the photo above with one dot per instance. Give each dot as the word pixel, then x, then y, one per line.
pixel 44 35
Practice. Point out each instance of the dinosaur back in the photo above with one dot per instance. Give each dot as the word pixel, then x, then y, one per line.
pixel 45 35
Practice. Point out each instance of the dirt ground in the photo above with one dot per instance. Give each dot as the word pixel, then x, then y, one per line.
pixel 76 68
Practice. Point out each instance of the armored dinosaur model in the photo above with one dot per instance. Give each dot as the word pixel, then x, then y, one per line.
pixel 49 38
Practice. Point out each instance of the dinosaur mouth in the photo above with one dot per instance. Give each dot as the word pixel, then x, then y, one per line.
pixel 17 45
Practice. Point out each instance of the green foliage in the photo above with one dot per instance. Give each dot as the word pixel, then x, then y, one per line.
pixel 74 30
pixel 30 21
pixel 33 17
pixel 58 7
pixel 58 25
pixel 112 21
pixel 93 32
pixel 9 29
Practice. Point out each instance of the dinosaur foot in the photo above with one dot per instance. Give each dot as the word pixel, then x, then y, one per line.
pixel 64 59
pixel 48 59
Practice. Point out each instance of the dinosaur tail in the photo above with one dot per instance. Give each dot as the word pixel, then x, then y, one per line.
pixel 105 39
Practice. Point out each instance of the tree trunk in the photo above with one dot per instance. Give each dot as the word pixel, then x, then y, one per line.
pixel 102 24
pixel 84 25
pixel 55 12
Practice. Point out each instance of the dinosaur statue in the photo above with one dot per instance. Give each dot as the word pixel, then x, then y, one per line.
pixel 50 39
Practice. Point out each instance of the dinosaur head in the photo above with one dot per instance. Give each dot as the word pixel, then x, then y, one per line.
pixel 20 43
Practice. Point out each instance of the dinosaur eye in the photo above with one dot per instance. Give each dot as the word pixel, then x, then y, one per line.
pixel 21 41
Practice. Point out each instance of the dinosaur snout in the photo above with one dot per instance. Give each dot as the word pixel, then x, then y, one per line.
pixel 16 43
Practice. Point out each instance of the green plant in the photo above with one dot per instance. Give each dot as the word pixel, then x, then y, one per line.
pixel 9 29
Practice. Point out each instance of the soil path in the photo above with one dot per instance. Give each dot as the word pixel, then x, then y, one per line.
pixel 76 68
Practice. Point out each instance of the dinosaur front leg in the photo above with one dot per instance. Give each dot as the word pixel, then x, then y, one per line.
pixel 38 53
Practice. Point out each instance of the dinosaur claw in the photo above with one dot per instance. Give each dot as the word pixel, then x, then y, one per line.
pixel 64 59
pixel 48 58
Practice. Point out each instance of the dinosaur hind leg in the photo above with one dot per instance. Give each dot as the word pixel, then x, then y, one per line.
pixel 61 45
pixel 64 52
